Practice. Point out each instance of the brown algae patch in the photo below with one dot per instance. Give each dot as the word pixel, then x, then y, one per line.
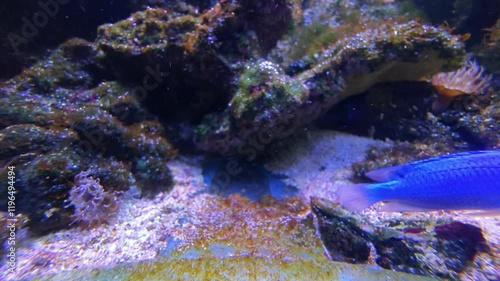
pixel 269 228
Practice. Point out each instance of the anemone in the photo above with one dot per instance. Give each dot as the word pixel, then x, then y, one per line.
pixel 92 203
pixel 470 79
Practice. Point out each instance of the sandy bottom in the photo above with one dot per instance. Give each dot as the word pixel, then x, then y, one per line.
pixel 143 229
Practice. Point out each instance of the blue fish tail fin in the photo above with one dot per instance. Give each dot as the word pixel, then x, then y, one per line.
pixel 356 197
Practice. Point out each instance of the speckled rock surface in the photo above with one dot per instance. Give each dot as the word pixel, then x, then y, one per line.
pixel 399 52
pixel 405 247
pixel 58 119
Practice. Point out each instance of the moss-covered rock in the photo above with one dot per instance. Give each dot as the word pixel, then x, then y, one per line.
pixel 392 52
pixel 74 65
pixel 29 138
pixel 59 119
pixel 185 58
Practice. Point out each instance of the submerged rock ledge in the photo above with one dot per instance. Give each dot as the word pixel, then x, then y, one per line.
pixel 268 99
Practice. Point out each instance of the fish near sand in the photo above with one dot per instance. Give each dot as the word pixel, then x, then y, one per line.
pixel 463 181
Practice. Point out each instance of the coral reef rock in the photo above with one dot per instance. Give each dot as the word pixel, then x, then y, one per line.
pixel 268 100
pixel 59 118
pixel 439 249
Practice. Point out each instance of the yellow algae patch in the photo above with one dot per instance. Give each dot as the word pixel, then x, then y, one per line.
pixel 240 268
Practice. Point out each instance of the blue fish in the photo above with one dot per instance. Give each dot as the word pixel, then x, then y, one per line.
pixel 463 181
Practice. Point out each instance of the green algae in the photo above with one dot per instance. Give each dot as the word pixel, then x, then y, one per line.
pixel 263 86
pixel 73 65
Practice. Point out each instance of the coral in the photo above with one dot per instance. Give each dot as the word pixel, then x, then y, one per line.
pixel 25 138
pixel 74 65
pixel 178 5
pixel 174 56
pixel 92 203
pixel 188 55
pixel 59 118
pixel 324 22
pixel 401 111
pixel 392 52
pixel 482 128
pixel 269 19
pixel 45 180
pixel 467 80
pixel 469 239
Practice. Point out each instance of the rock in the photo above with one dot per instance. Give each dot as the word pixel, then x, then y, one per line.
pixel 394 52
pixel 58 120
pixel 407 246
pixel 341 235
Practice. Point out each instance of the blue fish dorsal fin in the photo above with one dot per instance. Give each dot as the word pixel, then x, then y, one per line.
pixel 456 157
pixel 395 172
